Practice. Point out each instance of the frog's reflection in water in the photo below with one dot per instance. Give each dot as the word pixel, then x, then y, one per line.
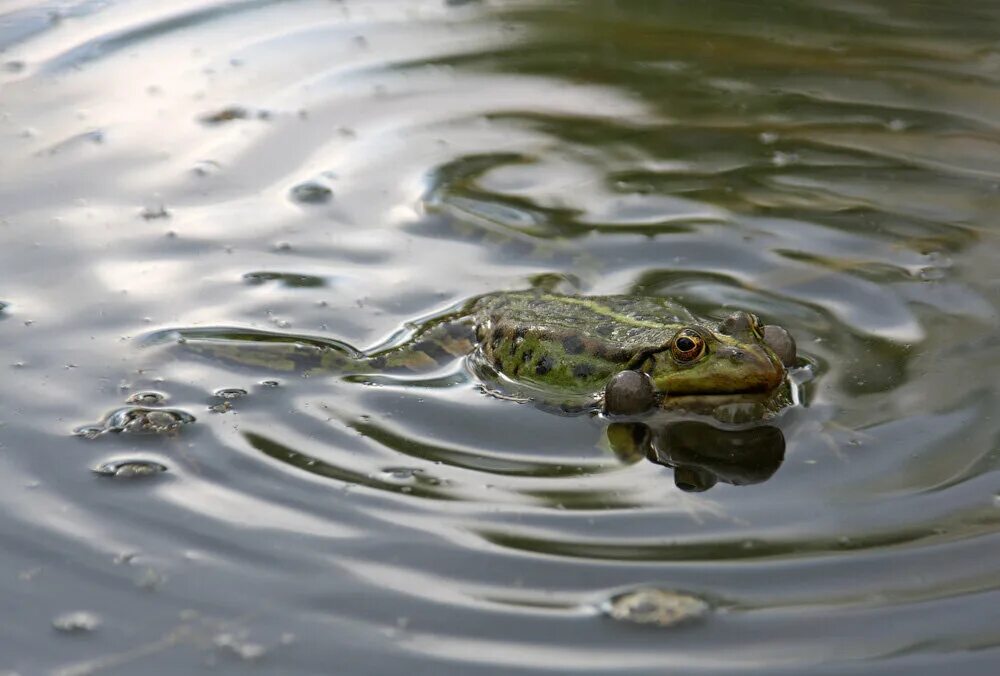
pixel 702 455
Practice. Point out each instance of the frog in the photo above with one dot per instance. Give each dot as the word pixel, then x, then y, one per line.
pixel 622 354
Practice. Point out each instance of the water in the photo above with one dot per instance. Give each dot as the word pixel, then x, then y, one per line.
pixel 341 170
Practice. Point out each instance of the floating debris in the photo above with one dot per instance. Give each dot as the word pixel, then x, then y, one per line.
pixel 232 113
pixel 76 622
pixel 150 579
pixel 311 192
pixel 225 115
pixel 237 644
pixel 152 212
pixel 289 279
pixel 652 605
pixel 147 398
pixel 129 469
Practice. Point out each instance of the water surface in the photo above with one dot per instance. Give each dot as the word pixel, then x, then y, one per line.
pixel 342 170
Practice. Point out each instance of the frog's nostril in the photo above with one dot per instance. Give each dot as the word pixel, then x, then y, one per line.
pixel 732 353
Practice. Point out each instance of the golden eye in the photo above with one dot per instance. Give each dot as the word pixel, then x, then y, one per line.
pixel 687 346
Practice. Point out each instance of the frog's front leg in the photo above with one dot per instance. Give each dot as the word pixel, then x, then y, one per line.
pixel 629 393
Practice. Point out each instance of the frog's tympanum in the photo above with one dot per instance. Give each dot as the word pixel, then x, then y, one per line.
pixel 628 354
pixel 702 455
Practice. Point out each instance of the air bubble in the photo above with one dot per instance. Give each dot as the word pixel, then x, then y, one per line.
pixel 147 398
pixel 401 475
pixel 129 469
pixel 138 420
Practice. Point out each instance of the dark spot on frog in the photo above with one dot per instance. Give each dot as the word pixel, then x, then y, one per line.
pixel 520 332
pixel 572 344
pixel 545 364
pixel 583 371
pixel 377 362
pixel 496 339
pixel 605 329
pixel 528 354
pixel 460 330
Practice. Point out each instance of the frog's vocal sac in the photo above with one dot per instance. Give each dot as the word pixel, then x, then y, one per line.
pixel 627 354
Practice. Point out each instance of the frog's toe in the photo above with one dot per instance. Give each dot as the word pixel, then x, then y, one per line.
pixel 628 393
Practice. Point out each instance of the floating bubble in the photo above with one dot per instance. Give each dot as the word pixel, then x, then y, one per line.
pixel 147 398
pixel 230 393
pixel 206 168
pixel 129 469
pixel 401 475
pixel 653 605
pixel 138 420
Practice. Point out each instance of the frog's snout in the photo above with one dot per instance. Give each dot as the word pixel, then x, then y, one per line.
pixel 761 368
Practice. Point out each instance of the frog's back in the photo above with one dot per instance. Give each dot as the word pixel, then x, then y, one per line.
pixel 573 343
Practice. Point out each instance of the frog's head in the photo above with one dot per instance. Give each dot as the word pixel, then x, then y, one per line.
pixel 738 357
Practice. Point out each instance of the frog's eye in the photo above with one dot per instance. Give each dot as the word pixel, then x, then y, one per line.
pixel 687 346
pixel 740 323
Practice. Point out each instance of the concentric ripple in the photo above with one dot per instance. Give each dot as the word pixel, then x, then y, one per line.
pixel 278 180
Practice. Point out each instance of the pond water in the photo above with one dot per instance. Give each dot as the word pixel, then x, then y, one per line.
pixel 344 169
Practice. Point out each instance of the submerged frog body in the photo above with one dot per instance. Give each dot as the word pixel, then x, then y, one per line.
pixel 638 352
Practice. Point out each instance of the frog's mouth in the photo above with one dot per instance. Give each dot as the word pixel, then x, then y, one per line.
pixel 734 407
pixel 717 399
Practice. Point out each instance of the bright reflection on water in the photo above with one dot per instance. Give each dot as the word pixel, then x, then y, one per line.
pixel 336 171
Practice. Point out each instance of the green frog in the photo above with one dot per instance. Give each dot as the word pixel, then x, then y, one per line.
pixel 627 354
